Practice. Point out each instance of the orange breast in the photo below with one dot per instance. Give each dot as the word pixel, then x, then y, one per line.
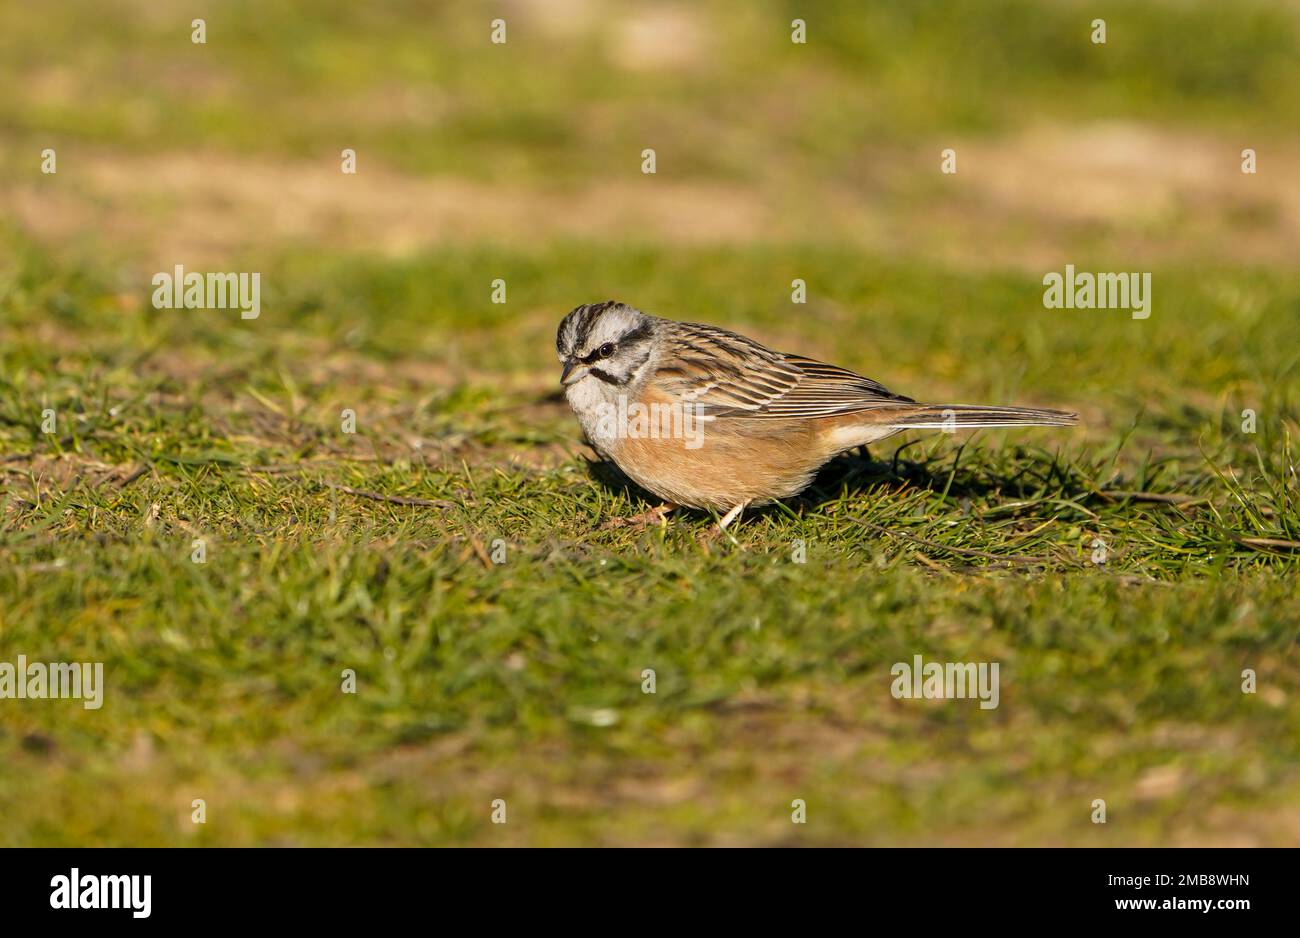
pixel 723 464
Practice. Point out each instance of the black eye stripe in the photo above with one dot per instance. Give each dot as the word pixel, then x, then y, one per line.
pixel 629 339
pixel 605 376
pixel 641 332
pixel 599 353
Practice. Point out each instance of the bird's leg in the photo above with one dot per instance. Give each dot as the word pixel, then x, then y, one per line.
pixel 717 530
pixel 731 516
pixel 653 516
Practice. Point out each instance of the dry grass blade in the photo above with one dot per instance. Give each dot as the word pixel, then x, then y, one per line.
pixel 391 499
pixel 1267 543
pixel 480 551
pixel 142 470
pixel 1163 498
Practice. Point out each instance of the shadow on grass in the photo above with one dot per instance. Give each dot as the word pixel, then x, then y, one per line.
pixel 1020 474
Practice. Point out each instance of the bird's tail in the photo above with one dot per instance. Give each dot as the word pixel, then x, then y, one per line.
pixel 964 416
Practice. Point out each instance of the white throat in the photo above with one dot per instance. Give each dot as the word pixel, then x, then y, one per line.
pixel 591 398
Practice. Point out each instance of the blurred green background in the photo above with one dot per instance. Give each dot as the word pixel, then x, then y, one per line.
pixel 522 161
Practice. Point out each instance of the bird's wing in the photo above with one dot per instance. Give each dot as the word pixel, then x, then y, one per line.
pixel 722 374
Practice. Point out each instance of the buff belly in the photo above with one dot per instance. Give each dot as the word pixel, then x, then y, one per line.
pixel 758 463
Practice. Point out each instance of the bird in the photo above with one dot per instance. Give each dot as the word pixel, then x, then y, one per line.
pixel 705 418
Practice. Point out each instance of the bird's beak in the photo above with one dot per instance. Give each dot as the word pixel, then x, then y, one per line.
pixel 571 372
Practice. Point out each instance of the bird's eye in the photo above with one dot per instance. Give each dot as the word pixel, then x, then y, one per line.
pixel 606 350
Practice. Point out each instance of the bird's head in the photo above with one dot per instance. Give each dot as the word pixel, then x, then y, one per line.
pixel 608 342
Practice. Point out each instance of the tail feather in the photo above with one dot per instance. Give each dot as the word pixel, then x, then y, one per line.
pixel 955 416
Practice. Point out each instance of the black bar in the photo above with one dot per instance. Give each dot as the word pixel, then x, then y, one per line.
pixel 333 888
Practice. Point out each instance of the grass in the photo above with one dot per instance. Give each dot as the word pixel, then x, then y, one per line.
pixel 557 105
pixel 523 679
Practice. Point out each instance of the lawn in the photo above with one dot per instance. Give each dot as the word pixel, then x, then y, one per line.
pixel 449 552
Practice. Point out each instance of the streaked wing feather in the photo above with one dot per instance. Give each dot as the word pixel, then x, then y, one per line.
pixel 727 375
